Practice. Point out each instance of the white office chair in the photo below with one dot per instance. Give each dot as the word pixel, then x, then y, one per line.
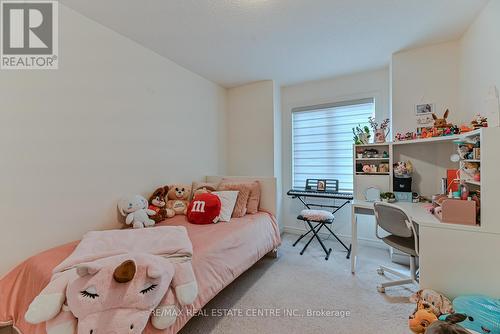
pixel 403 235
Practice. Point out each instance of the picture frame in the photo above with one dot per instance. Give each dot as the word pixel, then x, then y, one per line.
pixel 423 109
pixel 321 186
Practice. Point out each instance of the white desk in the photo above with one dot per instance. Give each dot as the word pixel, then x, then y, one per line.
pixel 419 212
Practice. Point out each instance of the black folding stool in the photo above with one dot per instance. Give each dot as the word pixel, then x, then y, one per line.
pixel 320 223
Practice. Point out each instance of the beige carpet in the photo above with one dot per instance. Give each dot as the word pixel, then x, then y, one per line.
pixel 298 283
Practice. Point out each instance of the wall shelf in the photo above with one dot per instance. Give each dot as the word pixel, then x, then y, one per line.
pixel 476 183
pixel 372 159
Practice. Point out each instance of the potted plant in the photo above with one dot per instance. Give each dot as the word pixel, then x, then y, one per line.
pixel 388 197
pixel 361 134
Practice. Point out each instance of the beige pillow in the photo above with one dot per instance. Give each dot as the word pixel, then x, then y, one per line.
pixel 254 197
pixel 240 209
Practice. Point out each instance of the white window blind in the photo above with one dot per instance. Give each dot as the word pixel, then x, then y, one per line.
pixel 322 141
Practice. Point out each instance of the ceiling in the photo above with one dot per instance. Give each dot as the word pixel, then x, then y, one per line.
pixel 232 42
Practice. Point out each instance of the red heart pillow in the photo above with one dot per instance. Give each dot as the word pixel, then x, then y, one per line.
pixel 204 209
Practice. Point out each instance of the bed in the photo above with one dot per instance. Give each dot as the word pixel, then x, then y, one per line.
pixel 219 260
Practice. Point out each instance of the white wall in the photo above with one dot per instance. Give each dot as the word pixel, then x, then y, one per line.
pixel 254 132
pixel 250 129
pixel 115 119
pixel 424 75
pixel 480 62
pixel 362 85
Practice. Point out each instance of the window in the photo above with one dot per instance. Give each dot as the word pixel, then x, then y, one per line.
pixel 322 141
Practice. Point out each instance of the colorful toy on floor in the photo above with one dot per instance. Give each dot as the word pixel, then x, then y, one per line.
pixel 432 300
pixel 429 306
pixel 448 326
pixel 135 209
pixel 421 320
pixel 483 313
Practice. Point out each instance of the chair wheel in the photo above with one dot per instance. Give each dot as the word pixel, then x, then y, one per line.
pixel 380 271
pixel 380 289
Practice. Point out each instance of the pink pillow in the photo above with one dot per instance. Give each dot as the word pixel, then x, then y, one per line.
pixel 254 198
pixel 240 209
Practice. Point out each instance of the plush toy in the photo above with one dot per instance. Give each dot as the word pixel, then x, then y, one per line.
pixel 479 122
pixel 441 122
pixel 448 326
pixel 433 301
pixel 115 281
pixel 118 294
pixel 178 198
pixel 482 314
pixel 204 209
pixel 470 169
pixel 421 320
pixel 157 203
pixel 403 168
pixel 135 209
pixel 463 151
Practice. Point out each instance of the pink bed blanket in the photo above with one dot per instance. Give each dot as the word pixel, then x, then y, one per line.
pixel 221 252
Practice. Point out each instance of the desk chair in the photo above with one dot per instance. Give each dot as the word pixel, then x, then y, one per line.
pixel 321 218
pixel 403 235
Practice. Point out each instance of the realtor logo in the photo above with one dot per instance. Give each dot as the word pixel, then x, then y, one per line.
pixel 29 34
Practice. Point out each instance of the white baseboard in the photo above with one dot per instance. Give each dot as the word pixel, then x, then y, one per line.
pixel 345 238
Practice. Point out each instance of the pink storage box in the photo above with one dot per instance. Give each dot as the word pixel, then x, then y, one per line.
pixel 454 211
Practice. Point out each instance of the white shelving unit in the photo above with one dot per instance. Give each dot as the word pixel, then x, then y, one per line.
pixel 431 159
pixel 381 180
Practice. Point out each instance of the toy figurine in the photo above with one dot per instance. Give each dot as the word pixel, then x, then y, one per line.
pixel 465 128
pixel 441 122
pixel 479 122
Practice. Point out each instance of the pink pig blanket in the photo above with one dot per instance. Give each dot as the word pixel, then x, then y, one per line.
pixel 115 281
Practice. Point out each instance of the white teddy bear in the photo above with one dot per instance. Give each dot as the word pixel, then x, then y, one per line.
pixel 135 208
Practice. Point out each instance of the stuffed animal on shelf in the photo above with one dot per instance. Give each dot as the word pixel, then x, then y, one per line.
pixel 135 209
pixel 421 320
pixel 157 203
pixel 441 122
pixel 448 326
pixel 178 198
pixel 479 122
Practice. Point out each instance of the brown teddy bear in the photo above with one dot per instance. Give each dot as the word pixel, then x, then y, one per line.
pixel 178 198
pixel 157 203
